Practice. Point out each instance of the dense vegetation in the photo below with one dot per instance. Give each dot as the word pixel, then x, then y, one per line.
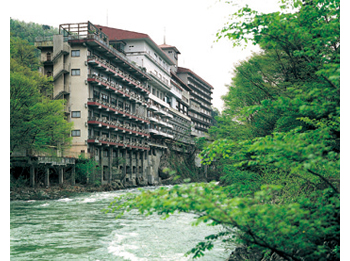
pixel 277 141
pixel 30 31
pixel 36 122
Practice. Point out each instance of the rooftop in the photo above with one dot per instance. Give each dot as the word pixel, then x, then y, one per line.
pixel 185 70
pixel 115 34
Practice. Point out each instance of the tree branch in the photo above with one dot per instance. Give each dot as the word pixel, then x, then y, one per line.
pixel 324 179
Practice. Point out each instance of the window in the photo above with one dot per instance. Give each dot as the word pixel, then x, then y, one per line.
pixel 75 53
pixel 75 133
pixel 96 94
pixel 104 97
pixel 75 72
pixel 76 114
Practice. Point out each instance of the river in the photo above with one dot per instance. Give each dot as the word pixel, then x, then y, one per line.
pixel 75 228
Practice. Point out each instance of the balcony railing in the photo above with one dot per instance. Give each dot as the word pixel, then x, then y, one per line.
pixel 117 126
pixel 160 133
pixel 117 88
pixel 117 72
pixel 117 110
pixel 104 140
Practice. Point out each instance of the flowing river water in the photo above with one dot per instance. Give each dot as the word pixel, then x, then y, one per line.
pixel 75 228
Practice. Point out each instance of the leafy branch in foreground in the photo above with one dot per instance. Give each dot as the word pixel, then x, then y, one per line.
pixel 305 229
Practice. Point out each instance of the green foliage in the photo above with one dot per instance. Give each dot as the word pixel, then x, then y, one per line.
pixel 280 126
pixel 86 170
pixel 20 182
pixel 29 31
pixel 36 121
pixel 309 225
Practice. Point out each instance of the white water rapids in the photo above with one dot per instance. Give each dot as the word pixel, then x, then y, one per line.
pixel 75 228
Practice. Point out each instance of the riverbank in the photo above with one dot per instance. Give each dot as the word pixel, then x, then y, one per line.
pixel 67 190
pixel 56 191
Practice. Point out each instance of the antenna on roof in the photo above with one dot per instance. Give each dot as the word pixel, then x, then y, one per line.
pixel 107 17
pixel 164 34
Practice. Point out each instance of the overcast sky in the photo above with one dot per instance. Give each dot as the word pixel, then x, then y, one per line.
pixel 190 25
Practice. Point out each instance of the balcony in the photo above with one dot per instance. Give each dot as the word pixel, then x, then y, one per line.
pixel 153 119
pixel 166 135
pixel 124 128
pixel 156 132
pixel 155 144
pixel 103 140
pixel 43 42
pixel 165 124
pixel 118 89
pixel 153 107
pixel 118 73
pixel 161 112
pixel 115 109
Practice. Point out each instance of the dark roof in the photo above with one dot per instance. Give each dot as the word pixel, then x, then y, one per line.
pixel 185 70
pixel 115 34
pixel 119 34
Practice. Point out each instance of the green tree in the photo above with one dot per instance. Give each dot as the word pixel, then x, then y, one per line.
pixel 86 170
pixel 36 122
pixel 280 164
pixel 29 31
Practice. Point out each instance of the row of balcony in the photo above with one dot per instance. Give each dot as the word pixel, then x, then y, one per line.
pixel 117 142
pixel 200 120
pixel 117 88
pixel 160 133
pixel 159 111
pixel 197 83
pixel 117 110
pixel 160 121
pixel 205 99
pixel 204 105
pixel 181 121
pixel 117 126
pixel 198 109
pixel 160 78
pixel 108 48
pixel 117 72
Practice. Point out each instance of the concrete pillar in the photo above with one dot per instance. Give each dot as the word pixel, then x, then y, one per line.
pixel 148 171
pixel 60 175
pixel 101 165
pixel 137 162
pixel 130 158
pixel 124 165
pixel 110 165
pixel 142 156
pixel 47 176
pixel 73 175
pixel 32 176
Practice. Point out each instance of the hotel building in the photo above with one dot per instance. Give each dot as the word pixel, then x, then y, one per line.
pixel 127 97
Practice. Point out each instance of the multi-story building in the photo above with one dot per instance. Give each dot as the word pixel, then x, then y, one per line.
pixel 200 101
pixel 126 96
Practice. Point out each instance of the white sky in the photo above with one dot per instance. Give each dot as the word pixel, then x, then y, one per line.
pixel 190 25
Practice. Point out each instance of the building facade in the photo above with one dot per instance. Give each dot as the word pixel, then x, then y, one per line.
pixel 127 97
